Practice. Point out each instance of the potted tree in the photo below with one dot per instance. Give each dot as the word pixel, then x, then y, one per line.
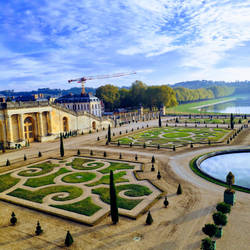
pixel 220 220
pixel 229 194
pixel 208 243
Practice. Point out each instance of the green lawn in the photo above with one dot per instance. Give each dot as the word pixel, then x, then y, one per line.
pixel 77 163
pixel 118 177
pixel 6 182
pixel 85 207
pixel 133 190
pixel 38 195
pixel 45 180
pixel 191 107
pixel 116 166
pixel 45 167
pixel 79 177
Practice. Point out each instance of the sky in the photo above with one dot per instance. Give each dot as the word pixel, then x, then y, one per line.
pixel 45 43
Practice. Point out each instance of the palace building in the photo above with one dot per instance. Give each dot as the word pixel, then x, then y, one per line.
pixel 21 122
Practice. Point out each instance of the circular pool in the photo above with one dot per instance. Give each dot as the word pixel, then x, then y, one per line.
pixel 219 164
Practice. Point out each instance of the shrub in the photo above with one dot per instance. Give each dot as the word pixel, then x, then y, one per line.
pixel 7 162
pixel 153 159
pixel 165 202
pixel 174 148
pixel 210 230
pixel 38 229
pixel 149 219
pixel 69 239
pixel 120 157
pixel 158 175
pixel 39 154
pixel 223 207
pixel 104 154
pixel 144 145
pixel 220 219
pixel 179 190
pixel 131 144
pixel 152 168
pixel 207 244
pixel 136 157
pixel 191 145
pixel 158 146
pixel 13 219
pixel 78 152
pixel 118 143
pixel 91 152
pixel 98 138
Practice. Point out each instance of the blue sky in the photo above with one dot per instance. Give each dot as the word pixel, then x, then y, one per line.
pixel 44 43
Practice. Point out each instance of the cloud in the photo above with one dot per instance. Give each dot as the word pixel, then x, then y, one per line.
pixel 49 42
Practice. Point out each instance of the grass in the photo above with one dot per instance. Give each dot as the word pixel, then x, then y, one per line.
pixel 45 180
pixel 7 181
pixel 38 195
pixel 133 190
pixel 191 107
pixel 197 171
pixel 116 166
pixel 85 207
pixel 73 178
pixel 105 179
pixel 211 121
pixel 77 163
pixel 45 167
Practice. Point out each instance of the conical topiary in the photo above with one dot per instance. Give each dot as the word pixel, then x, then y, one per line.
pixel 91 152
pixel 166 201
pixel 24 158
pixel 78 152
pixel 120 157
pixel 113 200
pixel 153 159
pixel 13 219
pixel 39 154
pixel 179 190
pixel 149 219
pixel 136 157
pixel 158 175
pixel 69 239
pixel 8 162
pixel 38 229
pixel 152 168
pixel 104 154
pixel 61 146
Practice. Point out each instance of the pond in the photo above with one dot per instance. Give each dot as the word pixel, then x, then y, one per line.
pixel 238 163
pixel 238 106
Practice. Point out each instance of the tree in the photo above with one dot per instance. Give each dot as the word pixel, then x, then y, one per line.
pixel 110 95
pixel 152 168
pixel 39 154
pixel 136 157
pixel 104 154
pixel 207 244
pixel 109 134
pixel 153 159
pixel 210 230
pixel 69 239
pixel 113 200
pixel 91 152
pixel 179 190
pixel 230 180
pixel 13 219
pixel 38 229
pixel 78 152
pixel 166 201
pixel 149 219
pixel 7 162
pixel 220 219
pixel 158 175
pixel 61 146
pixel 24 158
pixel 120 157
pixel 159 121
pixel 231 121
pixel 223 207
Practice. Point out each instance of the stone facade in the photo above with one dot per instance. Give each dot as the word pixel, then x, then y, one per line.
pixel 43 121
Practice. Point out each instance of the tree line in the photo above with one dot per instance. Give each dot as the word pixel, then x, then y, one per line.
pixel 156 96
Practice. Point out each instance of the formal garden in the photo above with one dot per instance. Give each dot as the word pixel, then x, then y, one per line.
pixel 174 136
pixel 78 188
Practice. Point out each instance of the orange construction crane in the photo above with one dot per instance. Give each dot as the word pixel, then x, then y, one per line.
pixel 82 80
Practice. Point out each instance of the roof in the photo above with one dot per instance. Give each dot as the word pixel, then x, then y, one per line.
pixel 70 98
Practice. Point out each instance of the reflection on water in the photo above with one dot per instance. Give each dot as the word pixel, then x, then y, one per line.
pixel 238 163
pixel 238 106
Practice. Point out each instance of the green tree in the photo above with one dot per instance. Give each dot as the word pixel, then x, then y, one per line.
pixel 38 229
pixel 110 95
pixel 113 200
pixel 207 244
pixel 109 134
pixel 220 219
pixel 13 219
pixel 223 207
pixel 231 121
pixel 230 180
pixel 61 146
pixel 159 122
pixel 210 230
pixel 179 189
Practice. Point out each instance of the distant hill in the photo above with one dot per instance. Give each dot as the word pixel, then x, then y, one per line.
pixel 240 86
